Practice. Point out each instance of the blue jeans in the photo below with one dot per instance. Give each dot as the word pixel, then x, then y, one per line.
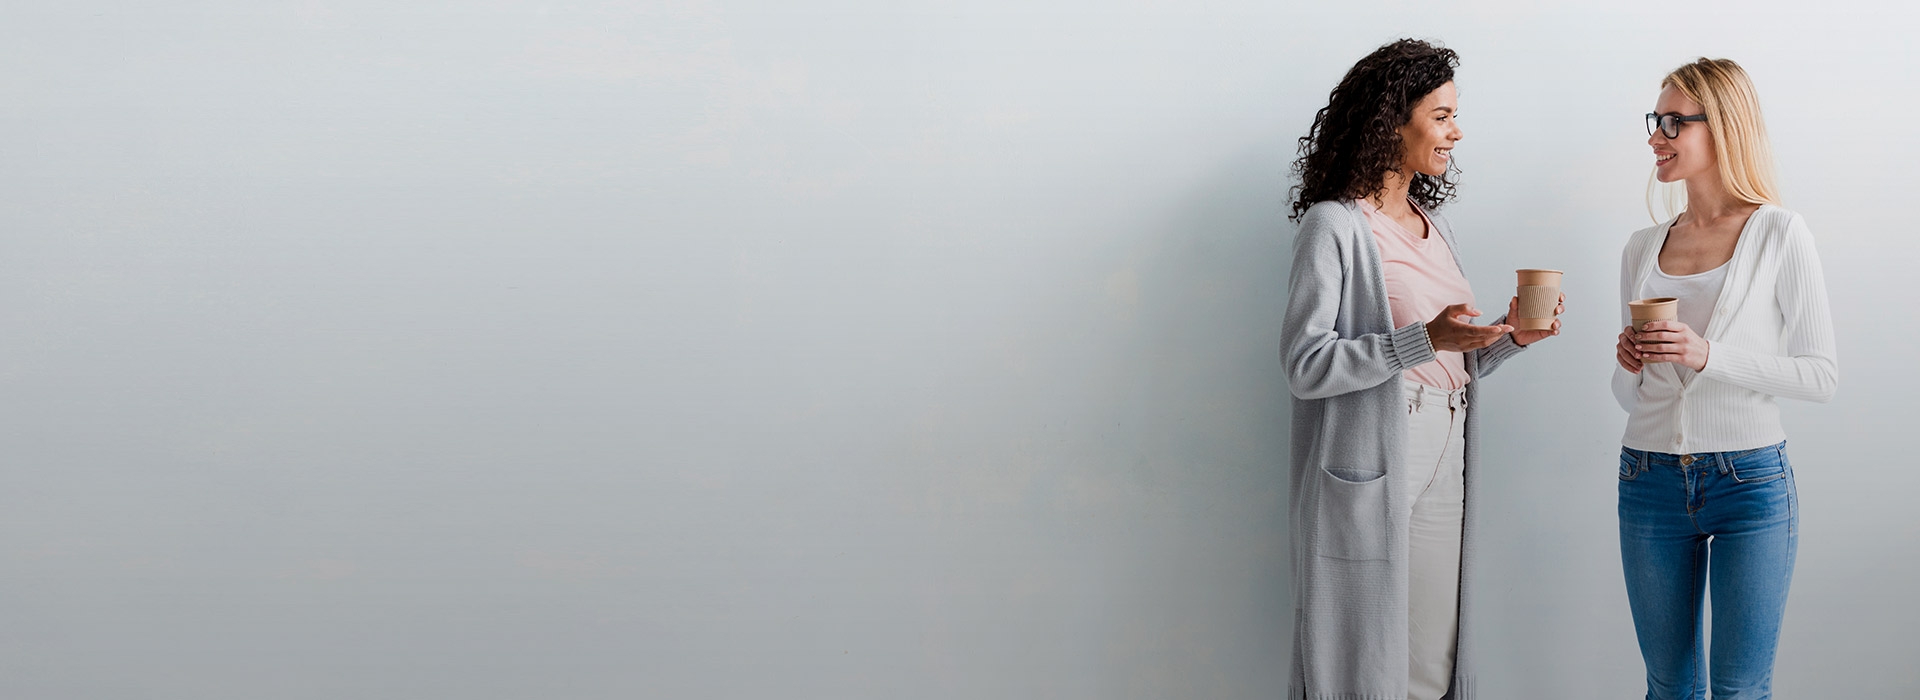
pixel 1726 517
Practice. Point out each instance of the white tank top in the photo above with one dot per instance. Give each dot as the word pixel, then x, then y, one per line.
pixel 1698 293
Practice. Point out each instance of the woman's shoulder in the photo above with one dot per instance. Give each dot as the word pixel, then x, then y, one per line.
pixel 1331 213
pixel 1329 220
pixel 1646 236
pixel 1778 221
pixel 1781 231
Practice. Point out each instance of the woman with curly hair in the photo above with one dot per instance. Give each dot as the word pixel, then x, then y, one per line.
pixel 1383 365
pixel 1706 490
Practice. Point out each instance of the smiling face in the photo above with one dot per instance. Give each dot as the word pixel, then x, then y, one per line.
pixel 1426 140
pixel 1691 153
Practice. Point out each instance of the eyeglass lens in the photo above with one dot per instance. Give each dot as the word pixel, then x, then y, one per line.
pixel 1668 124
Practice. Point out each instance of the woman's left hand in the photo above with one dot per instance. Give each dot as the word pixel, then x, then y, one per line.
pixel 1672 341
pixel 1525 338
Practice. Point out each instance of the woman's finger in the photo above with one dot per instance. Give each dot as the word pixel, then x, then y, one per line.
pixel 1627 363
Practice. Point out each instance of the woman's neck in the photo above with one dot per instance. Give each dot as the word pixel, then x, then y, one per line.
pixel 1709 200
pixel 1392 196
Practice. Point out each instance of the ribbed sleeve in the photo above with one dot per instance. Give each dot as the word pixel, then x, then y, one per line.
pixel 1809 370
pixel 1488 359
pixel 1321 360
pixel 1411 346
pixel 1626 385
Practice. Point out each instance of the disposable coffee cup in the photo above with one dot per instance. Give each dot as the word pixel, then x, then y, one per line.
pixel 1539 294
pixel 1645 311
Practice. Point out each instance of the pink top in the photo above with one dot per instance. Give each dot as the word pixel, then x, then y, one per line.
pixel 1422 279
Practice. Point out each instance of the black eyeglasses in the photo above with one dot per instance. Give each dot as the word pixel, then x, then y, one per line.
pixel 1669 123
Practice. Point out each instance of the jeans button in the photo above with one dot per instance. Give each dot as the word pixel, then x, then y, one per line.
pixel 1686 460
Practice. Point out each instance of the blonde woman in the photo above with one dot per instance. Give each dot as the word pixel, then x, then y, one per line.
pixel 1706 490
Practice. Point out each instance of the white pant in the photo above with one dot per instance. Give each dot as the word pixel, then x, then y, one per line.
pixel 1436 475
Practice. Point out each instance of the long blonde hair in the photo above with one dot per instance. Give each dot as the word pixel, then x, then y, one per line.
pixel 1740 145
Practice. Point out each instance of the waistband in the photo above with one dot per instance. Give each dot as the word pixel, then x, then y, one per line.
pixel 1420 395
pixel 1699 460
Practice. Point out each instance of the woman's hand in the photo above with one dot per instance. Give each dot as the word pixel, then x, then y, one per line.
pixel 1448 333
pixel 1525 338
pixel 1624 352
pixel 1672 341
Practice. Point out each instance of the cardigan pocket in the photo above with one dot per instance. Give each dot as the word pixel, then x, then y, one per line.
pixel 1353 514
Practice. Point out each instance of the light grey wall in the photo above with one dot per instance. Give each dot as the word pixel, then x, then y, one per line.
pixel 514 349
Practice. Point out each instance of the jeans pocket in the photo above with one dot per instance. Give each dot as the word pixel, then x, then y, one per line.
pixel 1351 520
pixel 1629 466
pixel 1761 465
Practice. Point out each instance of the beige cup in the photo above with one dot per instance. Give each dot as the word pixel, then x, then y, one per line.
pixel 1646 311
pixel 1539 293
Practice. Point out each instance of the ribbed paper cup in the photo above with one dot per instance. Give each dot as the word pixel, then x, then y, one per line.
pixel 1645 311
pixel 1539 294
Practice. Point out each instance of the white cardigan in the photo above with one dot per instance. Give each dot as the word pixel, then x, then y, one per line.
pixel 1771 334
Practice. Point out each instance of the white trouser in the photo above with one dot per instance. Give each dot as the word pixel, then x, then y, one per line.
pixel 1436 475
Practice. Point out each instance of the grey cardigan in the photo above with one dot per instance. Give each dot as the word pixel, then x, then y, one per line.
pixel 1350 506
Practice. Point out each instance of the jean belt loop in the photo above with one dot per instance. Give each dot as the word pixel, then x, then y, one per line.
pixel 1643 456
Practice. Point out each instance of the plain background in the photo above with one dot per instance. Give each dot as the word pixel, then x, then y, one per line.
pixel 515 349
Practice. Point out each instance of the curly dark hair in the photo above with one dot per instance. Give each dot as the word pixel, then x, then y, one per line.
pixel 1355 139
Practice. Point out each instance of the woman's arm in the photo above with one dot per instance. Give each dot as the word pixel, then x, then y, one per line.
pixel 1809 371
pixel 1320 363
pixel 1626 388
pixel 1626 384
pixel 1488 359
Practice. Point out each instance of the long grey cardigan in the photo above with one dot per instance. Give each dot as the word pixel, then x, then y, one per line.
pixel 1350 504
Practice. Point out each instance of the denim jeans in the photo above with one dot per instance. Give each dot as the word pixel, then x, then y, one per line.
pixel 1729 518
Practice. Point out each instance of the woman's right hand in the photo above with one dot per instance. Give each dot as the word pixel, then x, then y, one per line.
pixel 1450 334
pixel 1625 353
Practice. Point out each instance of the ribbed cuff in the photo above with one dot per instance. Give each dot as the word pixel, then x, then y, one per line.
pixel 1410 345
pixel 1499 351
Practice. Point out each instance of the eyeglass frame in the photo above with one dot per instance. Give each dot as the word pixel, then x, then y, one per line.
pixel 1659 121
